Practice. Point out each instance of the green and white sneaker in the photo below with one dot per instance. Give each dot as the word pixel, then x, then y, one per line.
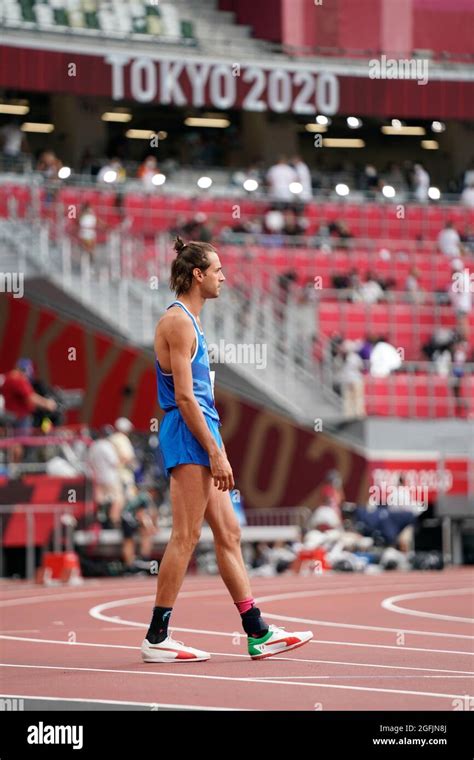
pixel 276 641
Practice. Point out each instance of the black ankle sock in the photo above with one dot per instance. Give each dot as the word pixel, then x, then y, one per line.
pixel 254 625
pixel 158 629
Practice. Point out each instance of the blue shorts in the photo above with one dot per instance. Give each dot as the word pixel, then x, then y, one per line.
pixel 179 446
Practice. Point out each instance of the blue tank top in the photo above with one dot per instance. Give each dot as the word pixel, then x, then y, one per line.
pixel 201 371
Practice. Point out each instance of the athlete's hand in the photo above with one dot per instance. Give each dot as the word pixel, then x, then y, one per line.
pixel 221 471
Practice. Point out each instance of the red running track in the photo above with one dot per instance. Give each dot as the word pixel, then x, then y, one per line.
pixel 395 641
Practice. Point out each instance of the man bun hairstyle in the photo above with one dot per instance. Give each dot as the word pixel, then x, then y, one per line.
pixel 189 256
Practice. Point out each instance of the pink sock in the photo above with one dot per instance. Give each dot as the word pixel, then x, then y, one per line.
pixel 244 605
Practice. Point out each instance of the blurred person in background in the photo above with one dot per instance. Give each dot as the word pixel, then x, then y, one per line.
pixel 13 141
pixel 303 175
pixel 461 296
pixel 467 196
pixel 421 183
pixel 351 380
pixel 21 399
pixel 449 241
pixel 87 230
pixel 49 165
pixel 120 439
pixel 138 518
pixel 105 465
pixel 413 286
pixel 279 178
pixel 111 168
pixel 146 171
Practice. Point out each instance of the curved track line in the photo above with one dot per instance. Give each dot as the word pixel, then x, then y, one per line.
pixel 389 604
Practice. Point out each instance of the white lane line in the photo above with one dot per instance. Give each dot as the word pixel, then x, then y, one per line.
pixel 235 654
pixel 151 705
pixel 97 613
pixel 70 597
pixel 389 604
pixel 174 675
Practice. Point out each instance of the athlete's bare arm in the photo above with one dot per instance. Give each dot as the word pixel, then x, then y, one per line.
pixel 179 335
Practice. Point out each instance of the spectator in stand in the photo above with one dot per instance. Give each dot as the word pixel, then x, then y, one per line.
pixel 384 359
pixel 461 296
pixel 467 196
pixel 105 467
pixel 21 400
pixel 87 230
pixel 292 225
pixel 352 381
pixel 413 286
pixel 460 355
pixel 146 171
pixel 279 178
pixel 371 180
pixel 421 183
pixel 112 173
pixel 468 178
pixel 371 291
pixel 13 141
pixel 449 241
pixel 304 177
pixel 467 239
pixel 197 228
pixel 126 454
pixel 49 165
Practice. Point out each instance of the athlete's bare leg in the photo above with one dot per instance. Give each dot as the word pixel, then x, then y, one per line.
pixel 227 535
pixel 189 491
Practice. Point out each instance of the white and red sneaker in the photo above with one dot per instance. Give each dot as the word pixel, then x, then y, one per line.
pixel 170 650
pixel 276 641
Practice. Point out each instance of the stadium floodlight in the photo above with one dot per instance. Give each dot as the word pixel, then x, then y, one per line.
pixel 434 193
pixel 324 120
pixel 36 126
pixel 110 176
pixel 438 126
pixel 316 127
pixel 342 189
pixel 250 185
pixel 402 130
pixel 14 109
pixel 158 179
pixel 343 142
pixel 388 191
pixel 118 116
pixel 64 172
pixel 396 123
pixel 204 182
pixel 353 122
pixel 140 134
pixel 430 144
pixel 207 121
pixel 295 187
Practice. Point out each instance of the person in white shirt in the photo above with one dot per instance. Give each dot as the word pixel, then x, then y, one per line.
pixel 421 183
pixel 449 242
pixel 467 196
pixel 371 291
pixel 87 232
pixel 279 178
pixel 461 296
pixel 126 453
pixel 304 177
pixel 352 381
pixel 104 463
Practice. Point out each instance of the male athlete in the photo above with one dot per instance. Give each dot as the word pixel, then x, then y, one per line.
pixel 196 461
